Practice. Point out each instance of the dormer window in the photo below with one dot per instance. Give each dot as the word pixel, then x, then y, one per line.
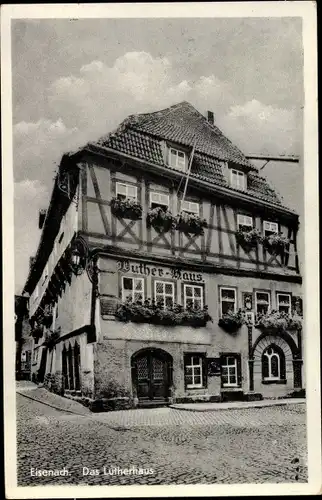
pixel 159 200
pixel 177 159
pixel 190 207
pixel 126 191
pixel 238 179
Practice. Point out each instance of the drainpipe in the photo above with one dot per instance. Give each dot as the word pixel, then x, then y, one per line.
pixel 92 272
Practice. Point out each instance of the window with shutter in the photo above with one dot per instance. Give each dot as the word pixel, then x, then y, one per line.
pixel 159 200
pixel 270 228
pixel 126 191
pixel 244 222
pixel 190 207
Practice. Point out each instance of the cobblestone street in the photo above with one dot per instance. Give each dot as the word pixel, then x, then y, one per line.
pixel 258 445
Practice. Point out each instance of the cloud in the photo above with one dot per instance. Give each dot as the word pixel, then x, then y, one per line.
pixel 39 145
pixel 29 196
pixel 260 128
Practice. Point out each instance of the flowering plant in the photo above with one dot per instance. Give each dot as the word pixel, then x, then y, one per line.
pixel 128 209
pixel 190 223
pixel 231 321
pixel 248 239
pixel 161 219
pixel 276 243
pixel 278 321
pixel 154 312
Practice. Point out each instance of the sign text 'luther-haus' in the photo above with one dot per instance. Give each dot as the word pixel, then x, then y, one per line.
pixel 158 272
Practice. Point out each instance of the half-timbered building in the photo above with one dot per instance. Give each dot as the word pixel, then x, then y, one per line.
pixel 167 271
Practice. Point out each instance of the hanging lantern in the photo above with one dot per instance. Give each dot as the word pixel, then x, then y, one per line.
pixel 77 261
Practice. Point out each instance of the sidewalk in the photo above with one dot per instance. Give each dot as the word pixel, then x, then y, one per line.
pixel 42 395
pixel 236 405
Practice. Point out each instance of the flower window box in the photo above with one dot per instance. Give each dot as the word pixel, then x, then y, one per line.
pixel 161 219
pixel 276 243
pixel 154 312
pixel 126 209
pixel 231 321
pixel 277 321
pixel 191 223
pixel 248 239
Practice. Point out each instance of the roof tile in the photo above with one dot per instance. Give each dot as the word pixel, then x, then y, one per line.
pixel 141 136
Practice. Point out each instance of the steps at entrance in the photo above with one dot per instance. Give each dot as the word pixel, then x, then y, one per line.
pixel 153 404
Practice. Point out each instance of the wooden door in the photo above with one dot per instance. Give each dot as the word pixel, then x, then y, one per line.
pixel 151 377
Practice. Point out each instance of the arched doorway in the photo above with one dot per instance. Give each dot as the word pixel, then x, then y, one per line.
pixel 152 375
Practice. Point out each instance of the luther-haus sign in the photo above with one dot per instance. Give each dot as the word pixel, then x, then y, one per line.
pixel 159 272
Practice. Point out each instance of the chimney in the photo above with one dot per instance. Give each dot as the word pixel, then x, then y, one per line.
pixel 210 117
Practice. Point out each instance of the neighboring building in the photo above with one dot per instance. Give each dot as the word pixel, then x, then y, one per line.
pixel 22 338
pixel 112 234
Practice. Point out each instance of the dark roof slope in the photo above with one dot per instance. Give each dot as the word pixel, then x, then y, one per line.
pixel 141 135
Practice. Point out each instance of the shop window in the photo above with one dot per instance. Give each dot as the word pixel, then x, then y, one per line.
pixel 126 191
pixel 270 228
pixel 230 370
pixel 193 296
pixel 273 364
pixel 190 207
pixel 228 300
pixel 159 200
pixel 238 179
pixel 262 302
pixel 284 302
pixel 244 222
pixel 164 292
pixel 195 371
pixel 177 159
pixel 132 288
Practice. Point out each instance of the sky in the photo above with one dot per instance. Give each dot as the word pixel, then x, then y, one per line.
pixel 75 80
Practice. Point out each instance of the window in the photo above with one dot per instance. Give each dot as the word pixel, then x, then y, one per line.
pixel 262 302
pixel 194 371
pixel 270 228
pixel 230 370
pixel 244 222
pixel 164 291
pixel 228 300
pixel 238 179
pixel 159 200
pixel 284 302
pixel 132 288
pixel 273 364
pixel 190 207
pixel 193 296
pixel 126 191
pixel 177 159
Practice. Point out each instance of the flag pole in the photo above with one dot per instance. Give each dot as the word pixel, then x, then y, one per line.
pixel 188 174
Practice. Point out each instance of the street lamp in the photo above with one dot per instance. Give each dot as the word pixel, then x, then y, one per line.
pixel 77 261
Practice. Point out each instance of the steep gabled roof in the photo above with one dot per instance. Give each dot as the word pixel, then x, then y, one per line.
pixel 183 124
pixel 141 136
